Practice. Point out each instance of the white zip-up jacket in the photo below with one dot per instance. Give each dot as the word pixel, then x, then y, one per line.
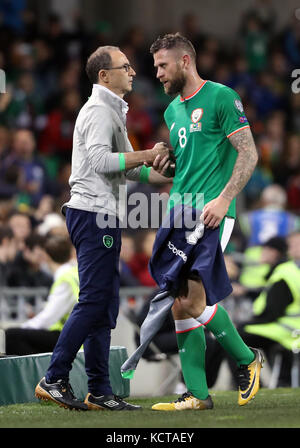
pixel 100 134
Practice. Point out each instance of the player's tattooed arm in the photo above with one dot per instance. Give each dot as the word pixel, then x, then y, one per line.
pixel 245 163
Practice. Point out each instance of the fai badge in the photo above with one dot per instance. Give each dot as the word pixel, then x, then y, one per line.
pixel 196 115
pixel 108 241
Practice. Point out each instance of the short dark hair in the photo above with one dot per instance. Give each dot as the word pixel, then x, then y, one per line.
pixel 173 41
pixel 34 240
pixel 98 60
pixel 5 232
pixel 58 248
pixel 278 243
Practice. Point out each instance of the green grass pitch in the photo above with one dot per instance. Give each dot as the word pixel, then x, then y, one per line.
pixel 278 408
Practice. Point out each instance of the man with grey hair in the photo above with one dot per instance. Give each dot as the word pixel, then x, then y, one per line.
pixel 102 160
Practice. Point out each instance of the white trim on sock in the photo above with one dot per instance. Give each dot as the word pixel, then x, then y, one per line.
pixel 184 325
pixel 207 314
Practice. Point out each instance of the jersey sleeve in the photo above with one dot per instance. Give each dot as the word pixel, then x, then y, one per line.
pixel 230 112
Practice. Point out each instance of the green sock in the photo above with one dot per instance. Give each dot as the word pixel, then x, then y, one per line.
pixel 227 335
pixel 192 346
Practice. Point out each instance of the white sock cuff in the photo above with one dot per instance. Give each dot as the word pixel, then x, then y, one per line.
pixel 184 325
pixel 207 314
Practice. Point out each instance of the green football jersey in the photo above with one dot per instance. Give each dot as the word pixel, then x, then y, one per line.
pixel 200 126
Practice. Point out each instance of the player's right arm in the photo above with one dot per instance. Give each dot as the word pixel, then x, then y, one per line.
pixel 235 125
pixel 246 161
pixel 215 210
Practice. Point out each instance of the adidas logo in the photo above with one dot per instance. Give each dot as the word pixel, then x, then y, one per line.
pixel 177 251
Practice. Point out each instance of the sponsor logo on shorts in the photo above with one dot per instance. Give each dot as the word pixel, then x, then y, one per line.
pixel 176 251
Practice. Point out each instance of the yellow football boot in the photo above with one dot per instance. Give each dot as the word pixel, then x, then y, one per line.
pixel 186 402
pixel 248 378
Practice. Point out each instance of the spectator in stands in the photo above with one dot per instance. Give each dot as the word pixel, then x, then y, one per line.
pixel 134 46
pixel 289 163
pixel 32 171
pixel 293 192
pixel 265 12
pixel 290 40
pixel 68 79
pixel 4 142
pixel 26 107
pixel 21 226
pixel 271 219
pixel 27 268
pixel 276 310
pixel 126 256
pixel 10 182
pixel 280 68
pixel 139 124
pixel 253 277
pixel 241 79
pixel 7 206
pixel 271 143
pixel 45 206
pixel 11 13
pixel 57 137
pixel 40 333
pixel 7 253
pixel 190 28
pixel 57 38
pixel 139 263
pixel 54 223
pixel 61 191
pixel 206 63
pixel 46 71
pixel 294 112
pixel 255 42
pixel 266 96
pixel 260 179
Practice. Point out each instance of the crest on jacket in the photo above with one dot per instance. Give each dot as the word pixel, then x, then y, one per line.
pixel 108 241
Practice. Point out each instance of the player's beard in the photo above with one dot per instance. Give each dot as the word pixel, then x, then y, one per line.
pixel 177 84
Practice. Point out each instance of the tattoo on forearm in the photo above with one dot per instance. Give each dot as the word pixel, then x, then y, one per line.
pixel 245 163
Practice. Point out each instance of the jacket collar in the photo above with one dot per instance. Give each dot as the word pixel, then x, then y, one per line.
pixel 111 99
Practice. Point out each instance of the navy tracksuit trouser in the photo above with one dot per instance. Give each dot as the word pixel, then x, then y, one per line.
pixel 96 311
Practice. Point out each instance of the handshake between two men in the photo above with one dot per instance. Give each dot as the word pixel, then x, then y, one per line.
pixel 162 159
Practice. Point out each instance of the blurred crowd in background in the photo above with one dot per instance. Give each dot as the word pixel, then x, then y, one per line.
pixel 46 85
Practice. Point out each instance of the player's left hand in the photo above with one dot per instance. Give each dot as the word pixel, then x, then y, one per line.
pixel 214 211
